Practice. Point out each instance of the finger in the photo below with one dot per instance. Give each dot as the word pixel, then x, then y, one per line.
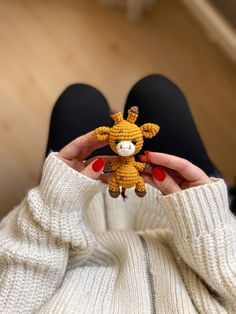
pixel 143 158
pixel 81 146
pixel 176 176
pixel 173 173
pixel 164 182
pixel 184 167
pixel 94 169
pixel 85 152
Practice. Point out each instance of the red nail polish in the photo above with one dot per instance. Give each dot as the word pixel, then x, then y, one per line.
pixel 159 174
pixel 98 164
pixel 141 156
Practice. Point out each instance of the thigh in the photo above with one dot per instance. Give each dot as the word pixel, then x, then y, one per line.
pixel 79 109
pixel 160 101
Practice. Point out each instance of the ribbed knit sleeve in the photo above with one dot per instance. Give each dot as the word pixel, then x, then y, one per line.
pixel 205 236
pixel 35 238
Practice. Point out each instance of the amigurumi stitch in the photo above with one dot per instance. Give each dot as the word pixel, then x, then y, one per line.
pixel 126 139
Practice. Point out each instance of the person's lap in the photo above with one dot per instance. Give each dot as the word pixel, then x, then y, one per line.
pixel 82 108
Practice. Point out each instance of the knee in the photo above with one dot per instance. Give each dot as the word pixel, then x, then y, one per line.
pixel 154 78
pixel 156 84
pixel 80 95
pixel 78 89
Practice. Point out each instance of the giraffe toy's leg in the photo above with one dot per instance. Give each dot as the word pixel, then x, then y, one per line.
pixel 114 188
pixel 140 189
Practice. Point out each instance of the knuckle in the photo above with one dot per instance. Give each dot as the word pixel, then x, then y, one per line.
pixel 185 166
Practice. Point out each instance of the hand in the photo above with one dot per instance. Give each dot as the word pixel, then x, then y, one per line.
pixel 172 174
pixel 76 151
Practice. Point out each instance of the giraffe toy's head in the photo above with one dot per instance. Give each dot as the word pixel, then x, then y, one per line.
pixel 125 137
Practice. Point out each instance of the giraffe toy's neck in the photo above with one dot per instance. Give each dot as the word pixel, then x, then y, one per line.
pixel 126 160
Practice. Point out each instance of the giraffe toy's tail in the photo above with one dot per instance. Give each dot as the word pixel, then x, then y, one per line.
pixel 123 193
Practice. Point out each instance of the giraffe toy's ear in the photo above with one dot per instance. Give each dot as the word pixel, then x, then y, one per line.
pixel 102 133
pixel 149 130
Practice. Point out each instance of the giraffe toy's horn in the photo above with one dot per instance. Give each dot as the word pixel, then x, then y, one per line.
pixel 132 114
pixel 117 117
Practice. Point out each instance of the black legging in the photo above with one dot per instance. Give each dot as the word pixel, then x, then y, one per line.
pixel 82 108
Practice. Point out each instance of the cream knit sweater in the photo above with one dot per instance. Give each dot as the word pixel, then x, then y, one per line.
pixel 71 248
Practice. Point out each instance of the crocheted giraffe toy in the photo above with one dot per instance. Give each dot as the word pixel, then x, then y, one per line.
pixel 126 139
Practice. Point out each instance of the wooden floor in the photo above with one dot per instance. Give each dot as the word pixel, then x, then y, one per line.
pixel 46 45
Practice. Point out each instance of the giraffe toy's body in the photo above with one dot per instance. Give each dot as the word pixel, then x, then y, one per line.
pixel 126 139
pixel 127 174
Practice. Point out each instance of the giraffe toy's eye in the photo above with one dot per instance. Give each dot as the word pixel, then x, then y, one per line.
pixel 117 142
pixel 134 142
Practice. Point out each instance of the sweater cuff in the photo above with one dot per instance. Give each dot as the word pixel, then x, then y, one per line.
pixel 65 188
pixel 198 210
pixel 59 202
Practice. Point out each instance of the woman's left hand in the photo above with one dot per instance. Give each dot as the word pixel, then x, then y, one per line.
pixel 172 174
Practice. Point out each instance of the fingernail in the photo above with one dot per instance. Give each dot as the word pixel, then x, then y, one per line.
pixel 98 164
pixel 159 174
pixel 141 156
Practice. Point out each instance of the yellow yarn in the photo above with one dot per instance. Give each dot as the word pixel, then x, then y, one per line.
pixel 126 133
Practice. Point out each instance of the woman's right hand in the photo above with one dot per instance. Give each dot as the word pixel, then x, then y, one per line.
pixel 74 154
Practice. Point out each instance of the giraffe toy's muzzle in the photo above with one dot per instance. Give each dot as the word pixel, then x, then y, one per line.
pixel 125 148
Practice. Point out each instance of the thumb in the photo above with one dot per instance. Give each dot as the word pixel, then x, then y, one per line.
pixel 94 169
pixel 164 182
